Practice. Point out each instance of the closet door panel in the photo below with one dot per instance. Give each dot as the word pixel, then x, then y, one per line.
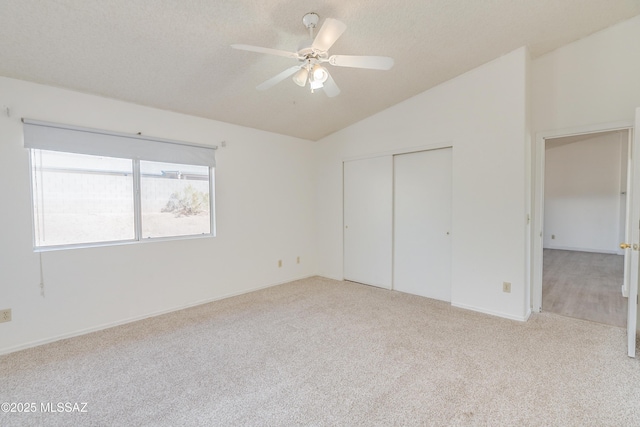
pixel 368 221
pixel 422 223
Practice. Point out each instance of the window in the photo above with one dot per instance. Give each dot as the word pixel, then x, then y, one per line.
pixel 175 199
pixel 81 199
pixel 91 187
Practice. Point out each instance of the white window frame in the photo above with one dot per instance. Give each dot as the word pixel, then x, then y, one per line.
pixel 39 135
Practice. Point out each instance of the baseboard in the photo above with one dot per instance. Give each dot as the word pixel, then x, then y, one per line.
pixel 141 317
pixel 595 251
pixel 493 313
pixel 327 276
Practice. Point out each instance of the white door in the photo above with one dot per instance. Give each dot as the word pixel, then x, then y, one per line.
pixel 632 312
pixel 422 223
pixel 626 277
pixel 368 221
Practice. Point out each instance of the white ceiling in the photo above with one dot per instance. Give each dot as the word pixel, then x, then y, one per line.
pixel 176 54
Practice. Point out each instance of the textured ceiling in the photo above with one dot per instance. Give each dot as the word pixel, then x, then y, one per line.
pixel 176 54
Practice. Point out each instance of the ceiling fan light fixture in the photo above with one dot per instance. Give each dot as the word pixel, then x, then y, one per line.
pixel 300 77
pixel 315 84
pixel 312 53
pixel 320 73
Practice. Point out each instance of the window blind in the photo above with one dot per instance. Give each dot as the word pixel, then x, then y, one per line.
pixel 71 139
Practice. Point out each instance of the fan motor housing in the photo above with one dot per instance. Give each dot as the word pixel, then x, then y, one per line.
pixel 304 48
pixel 306 51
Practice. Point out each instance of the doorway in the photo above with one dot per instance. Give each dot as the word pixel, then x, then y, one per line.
pixel 585 211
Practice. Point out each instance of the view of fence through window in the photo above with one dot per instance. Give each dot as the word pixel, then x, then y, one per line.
pixel 175 199
pixel 84 199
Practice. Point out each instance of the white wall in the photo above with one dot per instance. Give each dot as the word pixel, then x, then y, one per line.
pixel 264 203
pixel 582 193
pixel 593 80
pixel 483 115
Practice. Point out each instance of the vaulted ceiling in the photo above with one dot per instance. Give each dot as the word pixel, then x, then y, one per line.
pixel 176 55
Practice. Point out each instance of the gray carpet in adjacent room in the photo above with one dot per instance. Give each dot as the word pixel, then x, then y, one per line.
pixel 584 285
pixel 324 352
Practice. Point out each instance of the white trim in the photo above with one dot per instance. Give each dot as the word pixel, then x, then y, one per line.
pixel 120 242
pixel 141 317
pixel 584 130
pixel 327 276
pixel 212 201
pixel 415 149
pixel 528 222
pixel 634 190
pixel 137 201
pixel 590 250
pixel 32 194
pixel 493 313
pixel 343 221
pixel 538 208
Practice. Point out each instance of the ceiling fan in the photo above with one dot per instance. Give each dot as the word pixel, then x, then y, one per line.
pixel 312 53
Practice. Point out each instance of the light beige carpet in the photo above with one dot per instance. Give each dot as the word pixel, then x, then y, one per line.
pixel 323 352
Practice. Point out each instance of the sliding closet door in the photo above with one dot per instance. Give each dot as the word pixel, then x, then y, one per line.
pixel 422 223
pixel 368 220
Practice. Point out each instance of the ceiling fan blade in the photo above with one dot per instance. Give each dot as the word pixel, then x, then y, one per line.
pixel 330 87
pixel 371 62
pixel 278 78
pixel 267 50
pixel 330 31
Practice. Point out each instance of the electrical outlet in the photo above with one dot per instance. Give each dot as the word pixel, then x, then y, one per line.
pixel 506 287
pixel 279 263
pixel 5 315
pixel 298 260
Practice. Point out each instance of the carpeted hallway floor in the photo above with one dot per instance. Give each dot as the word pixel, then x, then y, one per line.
pixel 322 352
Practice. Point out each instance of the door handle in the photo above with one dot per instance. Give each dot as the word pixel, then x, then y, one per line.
pixel 635 246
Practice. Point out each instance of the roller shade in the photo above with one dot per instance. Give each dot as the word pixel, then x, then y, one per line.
pixel 71 139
